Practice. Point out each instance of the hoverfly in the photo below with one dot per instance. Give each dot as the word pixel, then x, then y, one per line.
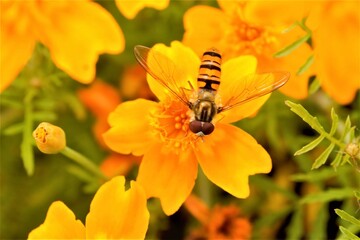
pixel 205 106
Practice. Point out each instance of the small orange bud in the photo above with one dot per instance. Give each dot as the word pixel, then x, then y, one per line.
pixel 49 139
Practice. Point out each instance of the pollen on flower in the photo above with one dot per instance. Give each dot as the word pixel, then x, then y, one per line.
pixel 170 122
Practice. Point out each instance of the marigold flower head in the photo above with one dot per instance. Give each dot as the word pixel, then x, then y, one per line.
pixel 75 32
pixel 220 222
pixel 337 61
pixel 160 132
pixel 49 139
pixel 114 214
pixel 236 29
pixel 131 8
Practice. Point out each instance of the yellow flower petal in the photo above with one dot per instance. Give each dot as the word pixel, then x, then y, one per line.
pixel 17 44
pixel 131 8
pixel 183 67
pixel 234 83
pixel 116 213
pixel 76 34
pixel 130 127
pixel 338 59
pixel 168 176
pixel 60 223
pixel 229 155
pixel 200 21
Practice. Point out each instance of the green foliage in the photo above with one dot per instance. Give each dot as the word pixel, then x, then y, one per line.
pixel 347 135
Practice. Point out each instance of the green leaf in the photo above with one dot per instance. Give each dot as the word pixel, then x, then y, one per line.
pixel 267 184
pixel 323 157
pixel 287 50
pixel 314 86
pixel 329 195
pixel 268 220
pixel 347 217
pixel 306 65
pixel 310 146
pixel 319 226
pixel 337 161
pixel 348 234
pixel 335 122
pixel 357 194
pixel 305 115
pixel 295 228
pixel 14 129
pixel 315 176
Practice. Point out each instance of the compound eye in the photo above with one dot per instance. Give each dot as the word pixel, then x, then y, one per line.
pixel 207 128
pixel 195 126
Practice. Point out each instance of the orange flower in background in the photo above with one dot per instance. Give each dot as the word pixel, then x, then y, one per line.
pixel 235 30
pixel 336 40
pixel 75 32
pixel 220 222
pixel 134 84
pixel 114 214
pixel 160 132
pixel 131 8
pixel 102 98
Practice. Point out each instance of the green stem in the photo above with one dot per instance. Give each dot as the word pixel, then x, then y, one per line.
pixel 333 140
pixel 26 147
pixel 83 161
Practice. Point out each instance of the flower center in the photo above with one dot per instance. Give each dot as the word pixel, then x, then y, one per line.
pixel 250 39
pixel 170 121
pixel 40 134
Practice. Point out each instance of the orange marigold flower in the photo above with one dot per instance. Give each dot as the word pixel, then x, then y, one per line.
pixel 75 32
pixel 160 132
pixel 131 8
pixel 221 222
pixel 114 214
pixel 337 60
pixel 49 139
pixel 134 85
pixel 101 98
pixel 235 30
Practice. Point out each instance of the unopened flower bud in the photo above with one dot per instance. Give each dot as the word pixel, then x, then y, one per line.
pixel 49 139
pixel 353 149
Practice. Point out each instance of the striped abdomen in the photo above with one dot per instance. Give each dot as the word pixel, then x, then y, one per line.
pixel 210 70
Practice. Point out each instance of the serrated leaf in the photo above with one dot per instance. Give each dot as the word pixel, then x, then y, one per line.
pixel 319 225
pixel 328 195
pixel 295 228
pixel 306 116
pixel 306 65
pixel 288 49
pixel 310 146
pixel 314 176
pixel 347 217
pixel 338 159
pixel 348 234
pixel 321 160
pixel 335 122
pixel 13 129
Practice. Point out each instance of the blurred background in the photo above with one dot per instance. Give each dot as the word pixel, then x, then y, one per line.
pixel 291 202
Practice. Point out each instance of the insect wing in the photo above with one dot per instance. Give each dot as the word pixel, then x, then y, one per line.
pixel 251 87
pixel 162 69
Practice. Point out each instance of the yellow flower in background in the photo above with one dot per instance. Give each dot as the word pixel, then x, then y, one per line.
pixel 336 41
pixel 131 8
pixel 114 214
pixel 160 132
pixel 235 29
pixel 75 32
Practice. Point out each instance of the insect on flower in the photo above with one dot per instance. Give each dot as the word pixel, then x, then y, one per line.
pixel 204 100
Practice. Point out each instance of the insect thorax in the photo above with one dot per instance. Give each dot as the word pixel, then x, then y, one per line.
pixel 205 108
